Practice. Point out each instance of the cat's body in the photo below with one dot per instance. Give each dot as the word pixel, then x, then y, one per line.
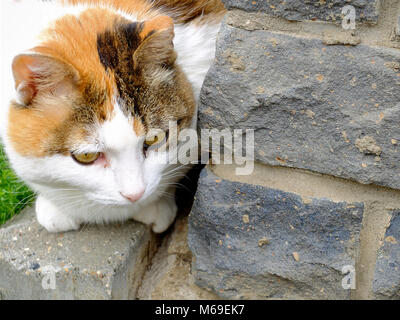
pixel 86 96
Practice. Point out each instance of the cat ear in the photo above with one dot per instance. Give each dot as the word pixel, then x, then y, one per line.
pixel 35 72
pixel 157 46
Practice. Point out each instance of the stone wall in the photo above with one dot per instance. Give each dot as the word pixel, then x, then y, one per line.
pixel 322 205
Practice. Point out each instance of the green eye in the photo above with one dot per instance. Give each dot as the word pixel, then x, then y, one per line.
pixel 85 158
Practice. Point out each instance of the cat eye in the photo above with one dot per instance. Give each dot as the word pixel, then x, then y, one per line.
pixel 85 158
pixel 155 139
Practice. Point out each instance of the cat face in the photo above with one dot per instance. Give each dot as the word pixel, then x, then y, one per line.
pixel 94 103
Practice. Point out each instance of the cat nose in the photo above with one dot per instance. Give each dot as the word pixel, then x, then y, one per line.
pixel 133 197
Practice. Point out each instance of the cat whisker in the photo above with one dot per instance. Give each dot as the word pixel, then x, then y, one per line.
pixel 85 225
pixel 23 202
pixel 175 169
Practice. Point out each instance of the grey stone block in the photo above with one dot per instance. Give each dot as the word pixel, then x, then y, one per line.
pixel 386 282
pixel 97 262
pixel 329 109
pixel 254 242
pixel 297 10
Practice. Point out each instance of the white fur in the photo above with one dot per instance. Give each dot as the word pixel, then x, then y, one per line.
pixel 71 194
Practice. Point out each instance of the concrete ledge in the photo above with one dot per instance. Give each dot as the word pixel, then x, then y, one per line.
pixel 97 262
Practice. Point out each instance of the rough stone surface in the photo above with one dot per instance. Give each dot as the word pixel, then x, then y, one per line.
pixel 308 103
pixel 254 242
pixel 340 37
pixel 398 28
pixel 298 10
pixel 386 283
pixel 94 263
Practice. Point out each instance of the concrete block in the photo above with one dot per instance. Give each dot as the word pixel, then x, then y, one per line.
pixel 96 262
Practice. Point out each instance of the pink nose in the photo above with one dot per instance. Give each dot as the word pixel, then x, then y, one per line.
pixel 133 197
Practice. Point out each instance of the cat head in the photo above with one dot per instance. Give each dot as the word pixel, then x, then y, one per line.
pixel 93 105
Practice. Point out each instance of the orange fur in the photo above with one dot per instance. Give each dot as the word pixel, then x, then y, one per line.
pixel 159 24
pixel 138 127
pixel 75 42
pixel 30 129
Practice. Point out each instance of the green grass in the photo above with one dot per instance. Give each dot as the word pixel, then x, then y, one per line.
pixel 14 195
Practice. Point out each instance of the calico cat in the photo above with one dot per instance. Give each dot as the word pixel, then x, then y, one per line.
pixel 89 89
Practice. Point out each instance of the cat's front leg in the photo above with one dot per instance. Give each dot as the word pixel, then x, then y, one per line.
pixel 160 214
pixel 167 210
pixel 51 217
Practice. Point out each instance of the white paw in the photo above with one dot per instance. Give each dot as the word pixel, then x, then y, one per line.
pixel 160 214
pixel 50 217
pixel 166 215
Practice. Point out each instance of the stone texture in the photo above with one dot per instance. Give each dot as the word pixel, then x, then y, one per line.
pixel 94 263
pixel 298 10
pixel 254 242
pixel 311 105
pixel 386 283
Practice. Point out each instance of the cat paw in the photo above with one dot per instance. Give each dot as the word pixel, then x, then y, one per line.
pixel 52 219
pixel 166 215
pixel 160 214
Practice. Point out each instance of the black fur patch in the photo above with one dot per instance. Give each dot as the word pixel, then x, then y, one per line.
pixel 115 48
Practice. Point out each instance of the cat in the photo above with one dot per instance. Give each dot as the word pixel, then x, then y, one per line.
pixel 88 92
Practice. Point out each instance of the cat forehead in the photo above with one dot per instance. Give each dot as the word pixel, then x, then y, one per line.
pixel 115 47
pixel 119 132
pixel 118 43
pixel 135 78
